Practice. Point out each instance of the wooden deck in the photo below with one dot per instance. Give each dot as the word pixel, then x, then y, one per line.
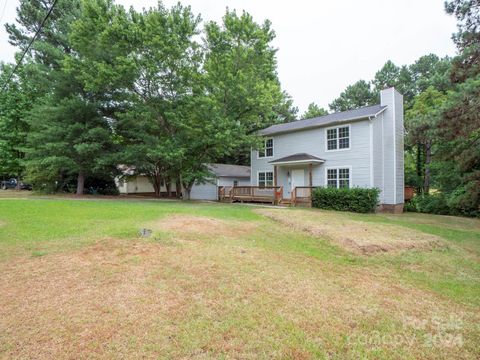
pixel 260 194
pixel 300 196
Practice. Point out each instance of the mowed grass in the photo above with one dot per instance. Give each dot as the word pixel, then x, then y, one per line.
pixel 224 281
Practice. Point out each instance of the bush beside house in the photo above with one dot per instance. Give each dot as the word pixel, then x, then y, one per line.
pixel 442 204
pixel 354 199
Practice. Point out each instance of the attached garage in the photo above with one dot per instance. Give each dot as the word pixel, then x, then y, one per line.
pixel 224 175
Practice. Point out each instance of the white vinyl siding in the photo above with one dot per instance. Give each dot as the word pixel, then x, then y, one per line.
pixel 312 141
pixel 392 147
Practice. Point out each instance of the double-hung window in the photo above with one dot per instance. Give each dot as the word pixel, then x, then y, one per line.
pixel 265 178
pixel 267 150
pixel 338 138
pixel 338 177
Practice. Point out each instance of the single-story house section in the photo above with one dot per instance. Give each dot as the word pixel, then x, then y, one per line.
pixel 223 175
pixel 226 176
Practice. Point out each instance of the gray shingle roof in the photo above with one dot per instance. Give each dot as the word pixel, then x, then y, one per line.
pixel 226 170
pixel 339 117
pixel 297 157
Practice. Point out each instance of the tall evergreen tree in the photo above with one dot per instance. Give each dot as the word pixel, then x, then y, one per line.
pixel 314 110
pixel 421 120
pixel 355 96
pixel 15 102
pixel 460 126
pixel 72 129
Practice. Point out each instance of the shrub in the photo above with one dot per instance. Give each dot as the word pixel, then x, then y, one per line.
pixel 354 199
pixel 430 204
pixel 464 201
pixel 411 206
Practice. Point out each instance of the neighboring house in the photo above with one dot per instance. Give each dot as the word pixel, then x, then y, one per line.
pixel 222 175
pixel 356 148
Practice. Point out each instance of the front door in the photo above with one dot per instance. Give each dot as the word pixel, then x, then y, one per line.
pixel 298 178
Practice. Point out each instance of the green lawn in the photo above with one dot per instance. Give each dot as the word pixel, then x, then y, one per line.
pixel 224 281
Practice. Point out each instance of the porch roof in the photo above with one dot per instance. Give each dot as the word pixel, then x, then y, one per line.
pixel 300 158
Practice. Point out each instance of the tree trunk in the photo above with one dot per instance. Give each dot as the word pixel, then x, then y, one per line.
pixel 186 193
pixel 428 159
pixel 156 180
pixel 178 188
pixel 157 186
pixel 419 168
pixel 168 186
pixel 80 183
pixel 187 189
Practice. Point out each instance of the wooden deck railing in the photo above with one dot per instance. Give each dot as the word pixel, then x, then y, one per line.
pixel 272 194
pixel 302 195
pixel 224 193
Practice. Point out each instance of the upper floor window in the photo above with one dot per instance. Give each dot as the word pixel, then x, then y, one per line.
pixel 338 138
pixel 338 177
pixel 267 150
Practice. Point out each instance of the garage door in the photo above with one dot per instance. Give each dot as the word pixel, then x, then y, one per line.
pixel 207 191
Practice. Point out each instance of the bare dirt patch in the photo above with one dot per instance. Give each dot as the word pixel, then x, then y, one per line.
pixel 197 225
pixel 353 235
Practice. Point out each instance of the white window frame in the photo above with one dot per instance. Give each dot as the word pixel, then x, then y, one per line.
pixel 350 175
pixel 338 139
pixel 265 149
pixel 265 172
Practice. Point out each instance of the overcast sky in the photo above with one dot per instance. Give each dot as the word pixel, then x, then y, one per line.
pixel 323 46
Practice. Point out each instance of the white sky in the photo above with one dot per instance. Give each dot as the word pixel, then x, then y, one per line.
pixel 323 46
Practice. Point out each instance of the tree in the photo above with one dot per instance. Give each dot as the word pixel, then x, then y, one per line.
pixel 167 68
pixel 14 104
pixel 313 111
pixel 68 132
pixel 52 42
pixel 421 121
pixel 355 96
pixel 386 77
pixel 391 75
pixel 241 78
pixel 467 39
pixel 430 70
pixel 459 129
pixel 74 139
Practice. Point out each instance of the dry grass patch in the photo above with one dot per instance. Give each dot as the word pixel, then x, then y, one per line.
pixel 204 226
pixel 445 221
pixel 139 299
pixel 353 235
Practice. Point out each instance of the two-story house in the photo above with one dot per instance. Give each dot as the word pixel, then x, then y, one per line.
pixel 356 148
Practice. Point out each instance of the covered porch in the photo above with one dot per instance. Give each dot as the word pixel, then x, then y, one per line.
pixel 292 183
pixel 294 173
